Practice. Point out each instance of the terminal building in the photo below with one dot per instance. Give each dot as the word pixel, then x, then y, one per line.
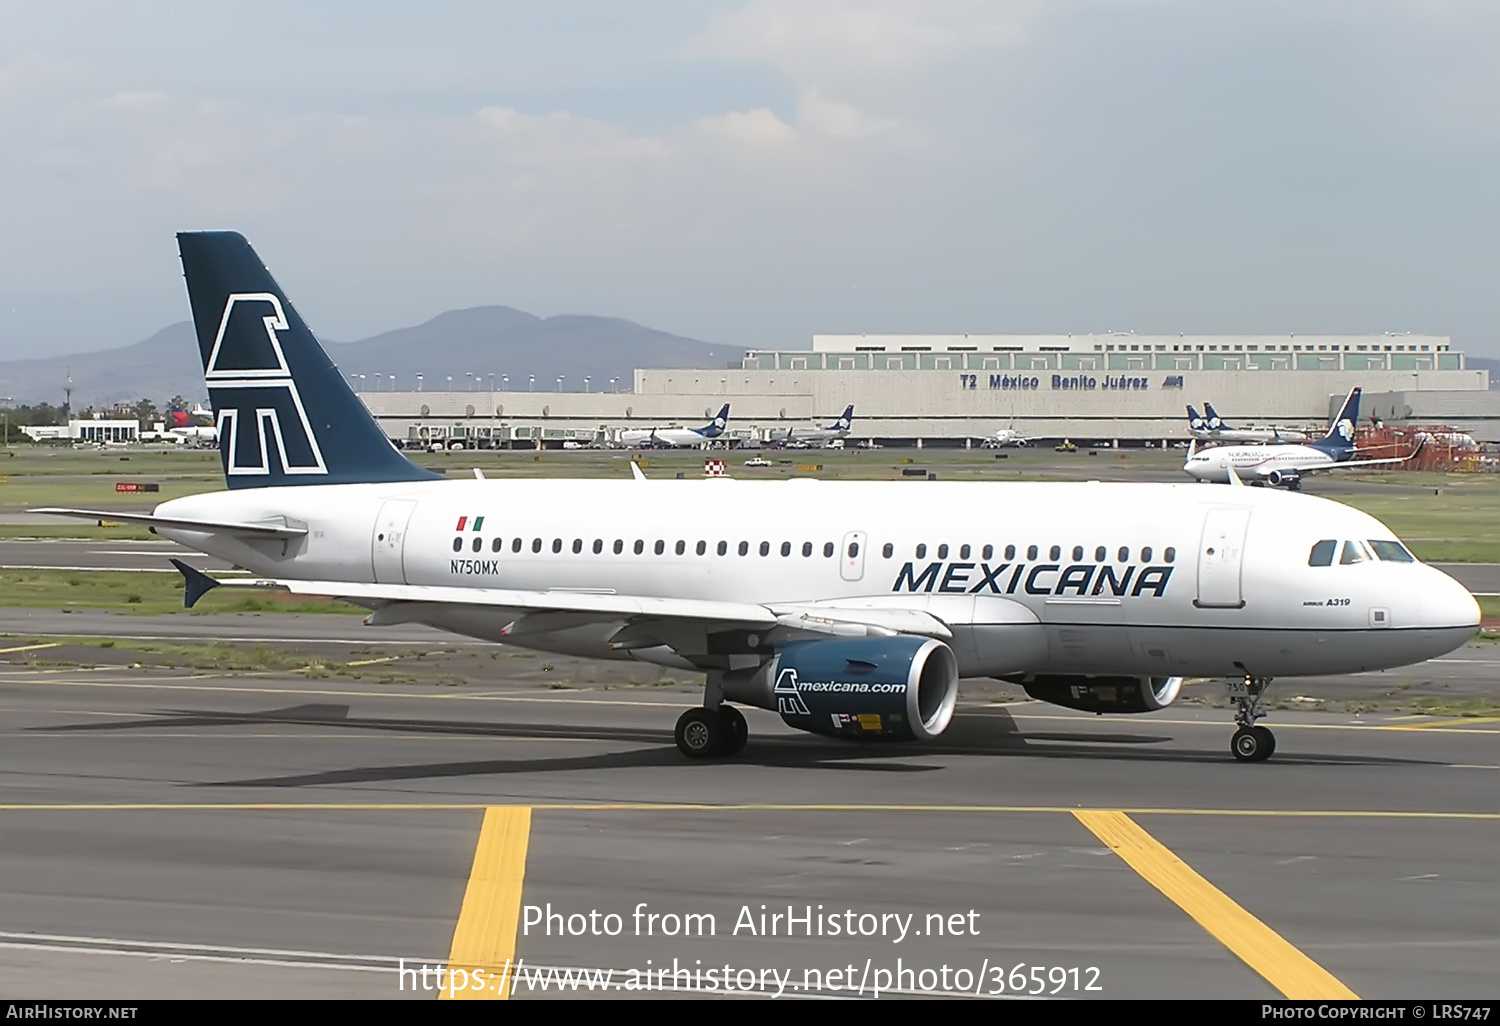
pixel 957 390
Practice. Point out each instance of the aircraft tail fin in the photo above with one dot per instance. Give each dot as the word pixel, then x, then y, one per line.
pixel 1340 434
pixel 847 420
pixel 1215 422
pixel 715 428
pixel 1195 422
pixel 284 413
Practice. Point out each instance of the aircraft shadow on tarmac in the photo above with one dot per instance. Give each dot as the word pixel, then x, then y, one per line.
pixel 991 733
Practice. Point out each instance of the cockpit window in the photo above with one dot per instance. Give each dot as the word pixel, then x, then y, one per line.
pixel 1392 552
pixel 1322 553
pixel 1352 554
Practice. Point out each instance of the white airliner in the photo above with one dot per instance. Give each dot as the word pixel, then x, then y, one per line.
pixel 1211 427
pixel 676 437
pixel 1006 438
pixel 852 609
pixel 820 436
pixel 1286 465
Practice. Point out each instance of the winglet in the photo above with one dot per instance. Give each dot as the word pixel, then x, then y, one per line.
pixel 635 471
pixel 196 583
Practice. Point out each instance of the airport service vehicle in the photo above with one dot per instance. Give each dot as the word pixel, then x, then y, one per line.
pixel 851 609
pixel 676 437
pixel 758 461
pixel 807 437
pixel 1286 465
pixel 1212 428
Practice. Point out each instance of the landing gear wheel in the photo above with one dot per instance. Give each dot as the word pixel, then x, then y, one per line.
pixel 737 731
pixel 702 733
pixel 1253 744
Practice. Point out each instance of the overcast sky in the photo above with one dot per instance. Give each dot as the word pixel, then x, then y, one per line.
pixel 749 174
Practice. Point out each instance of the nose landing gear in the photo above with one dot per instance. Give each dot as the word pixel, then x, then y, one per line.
pixel 1251 743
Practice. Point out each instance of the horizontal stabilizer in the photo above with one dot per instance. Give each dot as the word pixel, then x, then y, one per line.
pixel 263 530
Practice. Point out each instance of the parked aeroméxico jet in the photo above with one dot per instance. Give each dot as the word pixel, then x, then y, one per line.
pixel 850 608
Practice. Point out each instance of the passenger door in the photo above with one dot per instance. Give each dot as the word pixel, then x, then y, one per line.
pixel 852 556
pixel 1221 554
pixel 389 539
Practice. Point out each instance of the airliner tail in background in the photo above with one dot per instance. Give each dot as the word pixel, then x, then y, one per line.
pixel 283 412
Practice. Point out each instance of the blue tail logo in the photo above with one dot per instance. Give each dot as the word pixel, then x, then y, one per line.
pixel 1340 437
pixel 1215 422
pixel 1195 422
pixel 846 421
pixel 715 429
pixel 285 414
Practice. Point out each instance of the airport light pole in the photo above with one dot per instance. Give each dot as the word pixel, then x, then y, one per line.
pixel 450 382
pixel 531 383
pixel 612 384
pixel 505 382
pixel 560 381
pixel 585 382
pixel 419 382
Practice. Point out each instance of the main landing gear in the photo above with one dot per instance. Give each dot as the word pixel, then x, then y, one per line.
pixel 1250 743
pixel 704 733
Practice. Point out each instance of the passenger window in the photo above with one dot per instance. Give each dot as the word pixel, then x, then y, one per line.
pixel 1056 552
pixel 640 546
pixel 1170 555
pixel 1100 554
pixel 1031 552
pixel 598 546
pixel 681 547
pixel 478 544
pixel 853 549
pixel 458 544
pixel 828 550
pixel 765 548
pixel 963 552
pixel 702 547
pixel 988 553
pixel 807 549
pixel 1077 553
pixel 922 551
pixel 536 545
pixel 786 548
pixel 577 545
pixel 661 546
pixel 1010 552
pixel 497 545
pixel 744 548
pixel 943 551
pixel 1322 553
pixel 1392 552
pixel 723 548
pixel 1124 554
pixel 556 544
pixel 887 551
pixel 1146 554
pixel 515 545
pixel 619 546
pixel 1351 554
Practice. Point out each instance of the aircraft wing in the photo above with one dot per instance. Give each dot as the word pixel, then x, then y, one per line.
pixel 681 624
pixel 1371 463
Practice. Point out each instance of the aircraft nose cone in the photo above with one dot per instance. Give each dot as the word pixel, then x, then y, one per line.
pixel 1446 603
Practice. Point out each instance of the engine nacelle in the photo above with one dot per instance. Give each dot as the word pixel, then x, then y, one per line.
pixel 1279 478
pixel 875 689
pixel 1106 694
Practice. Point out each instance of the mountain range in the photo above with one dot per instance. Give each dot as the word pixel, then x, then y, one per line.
pixel 483 341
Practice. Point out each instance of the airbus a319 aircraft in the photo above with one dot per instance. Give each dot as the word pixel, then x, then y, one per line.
pixel 1286 465
pixel 851 609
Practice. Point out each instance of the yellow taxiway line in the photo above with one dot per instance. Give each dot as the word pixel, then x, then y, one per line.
pixel 484 940
pixel 1256 944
